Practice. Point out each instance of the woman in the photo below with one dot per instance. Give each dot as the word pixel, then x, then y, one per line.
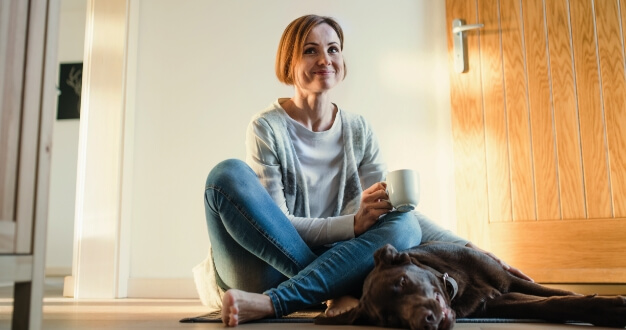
pixel 299 223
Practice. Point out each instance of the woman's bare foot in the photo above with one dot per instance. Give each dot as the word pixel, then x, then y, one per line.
pixel 340 305
pixel 240 307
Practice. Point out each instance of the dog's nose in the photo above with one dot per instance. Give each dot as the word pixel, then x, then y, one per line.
pixel 430 318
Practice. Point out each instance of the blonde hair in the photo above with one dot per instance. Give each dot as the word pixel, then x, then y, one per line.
pixel 292 42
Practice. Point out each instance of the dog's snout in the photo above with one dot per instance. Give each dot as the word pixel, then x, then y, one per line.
pixel 430 318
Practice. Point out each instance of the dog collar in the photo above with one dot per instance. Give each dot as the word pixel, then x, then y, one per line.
pixel 450 285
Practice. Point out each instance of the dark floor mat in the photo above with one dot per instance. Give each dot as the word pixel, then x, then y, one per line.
pixel 308 316
pixel 297 317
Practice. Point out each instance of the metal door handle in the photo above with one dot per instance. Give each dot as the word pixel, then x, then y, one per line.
pixel 463 28
pixel 460 49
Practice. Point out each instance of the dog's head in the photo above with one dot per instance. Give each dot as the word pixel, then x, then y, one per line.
pixel 399 293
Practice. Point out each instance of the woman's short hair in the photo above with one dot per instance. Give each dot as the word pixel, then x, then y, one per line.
pixel 292 43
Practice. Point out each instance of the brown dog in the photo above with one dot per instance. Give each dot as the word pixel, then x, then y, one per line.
pixel 429 286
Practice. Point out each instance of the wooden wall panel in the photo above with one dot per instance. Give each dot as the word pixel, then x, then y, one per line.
pixel 564 251
pixel 541 114
pixel 611 53
pixel 496 146
pixel 622 6
pixel 592 134
pixel 553 113
pixel 516 101
pixel 468 132
pixel 565 111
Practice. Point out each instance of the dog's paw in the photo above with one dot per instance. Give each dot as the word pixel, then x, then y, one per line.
pixel 611 311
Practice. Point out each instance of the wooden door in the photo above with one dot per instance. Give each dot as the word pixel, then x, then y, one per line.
pixel 539 126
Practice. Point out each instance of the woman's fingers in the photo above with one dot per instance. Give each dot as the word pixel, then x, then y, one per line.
pixel 374 203
pixel 375 187
pixel 519 273
pixel 374 193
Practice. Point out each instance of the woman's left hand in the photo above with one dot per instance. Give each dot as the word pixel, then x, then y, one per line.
pixel 504 265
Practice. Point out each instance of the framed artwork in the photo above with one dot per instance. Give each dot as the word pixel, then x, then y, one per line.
pixel 70 84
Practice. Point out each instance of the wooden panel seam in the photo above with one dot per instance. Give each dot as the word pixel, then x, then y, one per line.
pixel 613 90
pixel 517 112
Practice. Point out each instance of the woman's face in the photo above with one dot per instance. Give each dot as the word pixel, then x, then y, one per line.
pixel 321 65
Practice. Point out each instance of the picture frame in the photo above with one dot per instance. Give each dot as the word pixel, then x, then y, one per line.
pixel 69 89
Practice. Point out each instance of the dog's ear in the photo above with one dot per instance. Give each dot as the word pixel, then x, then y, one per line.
pixel 385 254
pixel 418 263
pixel 354 316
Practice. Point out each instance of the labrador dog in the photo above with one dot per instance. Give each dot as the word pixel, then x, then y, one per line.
pixel 429 286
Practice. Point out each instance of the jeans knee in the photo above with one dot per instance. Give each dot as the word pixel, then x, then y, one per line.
pixel 405 230
pixel 226 172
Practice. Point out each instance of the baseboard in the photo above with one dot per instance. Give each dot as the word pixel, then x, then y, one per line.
pixel 58 271
pixel 159 288
pixel 68 286
pixel 164 288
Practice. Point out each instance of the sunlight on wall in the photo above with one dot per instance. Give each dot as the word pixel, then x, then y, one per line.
pixel 400 72
pixel 416 136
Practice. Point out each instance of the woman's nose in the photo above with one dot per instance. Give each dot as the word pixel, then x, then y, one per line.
pixel 325 59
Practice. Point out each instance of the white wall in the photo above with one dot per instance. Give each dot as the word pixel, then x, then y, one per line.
pixel 65 150
pixel 205 67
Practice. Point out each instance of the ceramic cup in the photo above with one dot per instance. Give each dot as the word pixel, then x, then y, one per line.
pixel 403 188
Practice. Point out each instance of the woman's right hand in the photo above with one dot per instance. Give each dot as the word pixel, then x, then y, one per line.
pixel 374 203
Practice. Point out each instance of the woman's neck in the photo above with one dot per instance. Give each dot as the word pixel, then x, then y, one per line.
pixel 314 111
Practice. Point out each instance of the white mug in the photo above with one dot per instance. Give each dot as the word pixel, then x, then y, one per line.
pixel 403 188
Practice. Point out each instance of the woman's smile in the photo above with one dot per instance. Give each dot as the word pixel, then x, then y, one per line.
pixel 324 72
pixel 321 65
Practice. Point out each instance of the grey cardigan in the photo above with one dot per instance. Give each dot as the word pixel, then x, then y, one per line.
pixel 271 154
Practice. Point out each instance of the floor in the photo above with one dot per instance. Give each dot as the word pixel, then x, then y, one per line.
pixel 69 314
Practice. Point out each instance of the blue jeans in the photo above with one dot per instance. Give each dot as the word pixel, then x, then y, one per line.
pixel 257 249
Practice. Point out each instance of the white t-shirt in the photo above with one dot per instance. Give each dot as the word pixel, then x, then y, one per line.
pixel 320 155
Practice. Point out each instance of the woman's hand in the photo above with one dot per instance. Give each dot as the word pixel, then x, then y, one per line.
pixel 504 265
pixel 374 203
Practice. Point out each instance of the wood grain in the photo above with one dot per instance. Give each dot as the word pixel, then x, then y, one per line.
pixel 591 117
pixel 622 6
pixel 565 111
pixel 593 250
pixel 541 112
pixel 468 131
pixel 563 71
pixel 496 146
pixel 611 53
pixel 516 101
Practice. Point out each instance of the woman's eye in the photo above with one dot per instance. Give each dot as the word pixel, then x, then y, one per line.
pixel 309 51
pixel 333 50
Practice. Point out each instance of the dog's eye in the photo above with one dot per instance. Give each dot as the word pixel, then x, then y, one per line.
pixel 402 282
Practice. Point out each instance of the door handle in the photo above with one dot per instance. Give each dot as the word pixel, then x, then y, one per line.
pixel 460 49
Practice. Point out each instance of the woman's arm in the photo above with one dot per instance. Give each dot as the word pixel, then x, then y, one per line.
pixel 263 159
